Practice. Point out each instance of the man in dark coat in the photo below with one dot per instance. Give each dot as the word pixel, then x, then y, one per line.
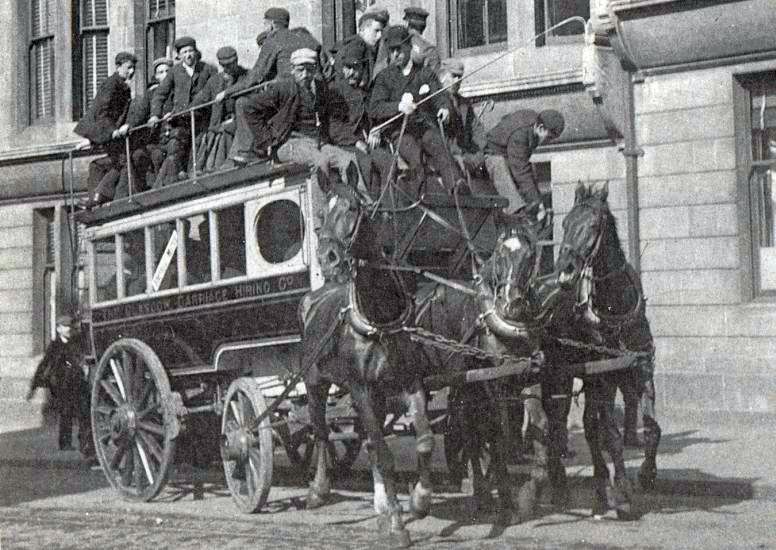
pixel 105 124
pixel 60 372
pixel 185 80
pixel 218 140
pixel 424 53
pixel 365 43
pixel 398 89
pixel 510 145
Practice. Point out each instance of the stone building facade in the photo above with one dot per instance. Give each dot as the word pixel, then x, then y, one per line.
pixel 671 105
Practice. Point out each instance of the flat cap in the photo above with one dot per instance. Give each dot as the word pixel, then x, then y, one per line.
pixel 226 55
pixel 304 56
pixel 278 14
pixel 396 35
pixel 123 57
pixel 65 320
pixel 453 66
pixel 352 52
pixel 161 61
pixel 381 16
pixel 415 13
pixel 553 121
pixel 261 38
pixel 184 41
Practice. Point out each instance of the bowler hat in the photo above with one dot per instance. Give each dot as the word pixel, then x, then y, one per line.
pixel 414 12
pixel 226 55
pixel 352 53
pixel 184 41
pixel 161 61
pixel 553 121
pixel 396 35
pixel 280 15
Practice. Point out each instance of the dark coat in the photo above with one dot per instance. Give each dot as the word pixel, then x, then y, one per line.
pixel 466 132
pixel 347 113
pixel 60 371
pixel 107 112
pixel 218 83
pixel 355 43
pixel 140 111
pixel 276 107
pixel 275 57
pixel 424 52
pixel 513 137
pixel 391 84
pixel 182 87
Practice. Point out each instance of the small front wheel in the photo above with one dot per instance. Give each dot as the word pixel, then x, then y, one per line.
pixel 246 449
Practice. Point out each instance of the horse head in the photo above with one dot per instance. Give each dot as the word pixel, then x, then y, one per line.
pixel 584 229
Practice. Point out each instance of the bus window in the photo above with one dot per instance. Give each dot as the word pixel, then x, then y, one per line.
pixel 105 269
pixel 165 268
pixel 231 241
pixel 197 244
pixel 279 231
pixel 134 263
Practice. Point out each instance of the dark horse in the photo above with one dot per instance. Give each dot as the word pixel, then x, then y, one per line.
pixel 609 311
pixel 355 327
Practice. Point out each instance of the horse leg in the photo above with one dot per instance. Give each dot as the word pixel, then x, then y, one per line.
pixel 621 492
pixel 320 487
pixel 590 423
pixel 652 432
pixel 557 410
pixel 499 446
pixel 420 500
pixel 382 464
pixel 537 432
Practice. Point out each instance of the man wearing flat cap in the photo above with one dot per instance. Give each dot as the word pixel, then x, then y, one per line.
pixel 214 149
pixel 509 147
pixel 399 89
pixel 274 61
pixel 423 52
pixel 366 42
pixel 105 124
pixel 60 372
pixel 184 82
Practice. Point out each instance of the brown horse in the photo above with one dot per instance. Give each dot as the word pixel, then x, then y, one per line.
pixel 608 311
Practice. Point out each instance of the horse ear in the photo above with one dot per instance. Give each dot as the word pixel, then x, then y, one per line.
pixel 602 190
pixel 580 193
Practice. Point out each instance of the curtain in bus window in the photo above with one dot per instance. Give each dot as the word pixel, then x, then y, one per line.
pixel 133 263
pixel 231 241
pixel 197 246
pixel 105 269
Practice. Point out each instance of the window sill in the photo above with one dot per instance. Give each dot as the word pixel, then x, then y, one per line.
pixel 479 50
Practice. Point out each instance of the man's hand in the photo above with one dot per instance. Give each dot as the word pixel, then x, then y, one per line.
pixel 443 115
pixel 407 104
pixel 373 140
pixel 362 146
pixel 541 212
pixel 220 96
pixel 83 144
pixel 153 121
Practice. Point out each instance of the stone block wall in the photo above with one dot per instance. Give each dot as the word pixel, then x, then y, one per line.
pixel 714 350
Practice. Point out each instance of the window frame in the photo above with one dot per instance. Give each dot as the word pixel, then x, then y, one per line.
pixel 87 32
pixel 748 213
pixel 152 23
pixel 48 38
pixel 453 30
pixel 542 23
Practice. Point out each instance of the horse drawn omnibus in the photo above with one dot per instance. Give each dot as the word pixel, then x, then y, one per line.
pixel 193 291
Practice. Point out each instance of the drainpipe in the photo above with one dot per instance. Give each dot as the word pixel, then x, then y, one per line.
pixel 632 152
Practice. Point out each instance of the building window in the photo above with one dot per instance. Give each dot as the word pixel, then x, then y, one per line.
pixel 478 23
pixel 42 15
pixel 762 179
pixel 93 35
pixel 549 13
pixel 160 31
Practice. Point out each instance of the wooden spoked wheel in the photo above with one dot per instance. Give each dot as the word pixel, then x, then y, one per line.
pixel 134 433
pixel 246 450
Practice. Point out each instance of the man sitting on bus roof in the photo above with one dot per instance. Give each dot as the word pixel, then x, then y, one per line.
pixel 105 124
pixel 185 80
pixel 214 149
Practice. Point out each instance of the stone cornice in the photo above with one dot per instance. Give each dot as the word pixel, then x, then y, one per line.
pixel 40 153
pixel 558 79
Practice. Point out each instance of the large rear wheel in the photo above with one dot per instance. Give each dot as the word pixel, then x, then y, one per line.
pixel 246 450
pixel 134 432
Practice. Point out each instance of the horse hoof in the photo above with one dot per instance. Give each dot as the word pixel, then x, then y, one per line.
pixel 420 503
pixel 314 500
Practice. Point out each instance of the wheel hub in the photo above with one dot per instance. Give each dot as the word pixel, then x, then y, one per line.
pixel 237 442
pixel 123 423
